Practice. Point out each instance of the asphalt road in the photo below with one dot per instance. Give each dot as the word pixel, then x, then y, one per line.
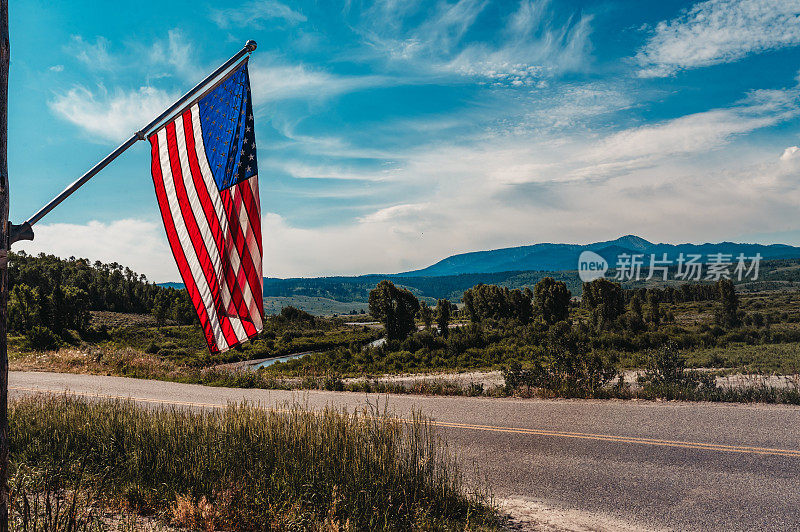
pixel 674 466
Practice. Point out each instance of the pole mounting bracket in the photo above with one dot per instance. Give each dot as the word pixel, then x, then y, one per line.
pixel 19 232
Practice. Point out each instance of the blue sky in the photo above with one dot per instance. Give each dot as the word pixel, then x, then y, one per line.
pixel 397 132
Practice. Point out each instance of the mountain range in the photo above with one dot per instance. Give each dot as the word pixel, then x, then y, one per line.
pixel 561 257
pixel 513 267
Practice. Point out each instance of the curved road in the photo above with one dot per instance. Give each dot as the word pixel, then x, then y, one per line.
pixel 647 465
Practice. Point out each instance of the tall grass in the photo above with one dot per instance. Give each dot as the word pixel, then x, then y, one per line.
pixel 246 468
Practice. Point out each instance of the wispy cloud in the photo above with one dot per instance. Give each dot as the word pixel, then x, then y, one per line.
pixel 697 132
pixel 303 170
pixel 535 44
pixel 94 55
pixel 254 14
pixel 175 55
pixel 286 82
pixel 114 113
pixel 719 31
pixel 107 115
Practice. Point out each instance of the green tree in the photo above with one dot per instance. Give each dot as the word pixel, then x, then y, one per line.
pixel 653 309
pixel 443 317
pixel 161 306
pixel 395 308
pixel 551 300
pixel 23 308
pixel 636 306
pixel 484 301
pixel 727 314
pixel 181 309
pixel 426 314
pixel 294 314
pixel 605 299
pixel 76 309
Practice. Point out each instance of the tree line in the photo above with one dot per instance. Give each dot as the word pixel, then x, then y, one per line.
pixel 609 305
pixel 48 293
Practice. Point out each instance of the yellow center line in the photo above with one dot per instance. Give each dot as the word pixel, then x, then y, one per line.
pixel 467 426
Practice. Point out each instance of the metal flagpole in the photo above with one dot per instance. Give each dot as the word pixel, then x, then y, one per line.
pixel 4 244
pixel 24 231
pixel 10 233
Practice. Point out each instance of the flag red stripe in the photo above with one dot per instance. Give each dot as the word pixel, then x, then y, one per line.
pixel 244 197
pixel 238 242
pixel 232 259
pixel 253 213
pixel 177 250
pixel 242 257
pixel 195 235
pixel 210 215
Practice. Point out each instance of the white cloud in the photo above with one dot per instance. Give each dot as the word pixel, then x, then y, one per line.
pixel 494 193
pixel 302 170
pixel 176 55
pixel 94 55
pixel 532 48
pixel 56 68
pixel 719 31
pixel 254 14
pixel 476 204
pixel 138 244
pixel 791 153
pixel 365 247
pixel 693 134
pixel 111 116
pixel 285 82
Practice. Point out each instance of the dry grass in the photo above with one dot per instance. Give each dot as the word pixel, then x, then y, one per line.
pixel 243 468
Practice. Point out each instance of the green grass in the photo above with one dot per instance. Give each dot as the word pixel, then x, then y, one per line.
pixel 318 306
pixel 244 468
pixel 184 344
pixel 782 359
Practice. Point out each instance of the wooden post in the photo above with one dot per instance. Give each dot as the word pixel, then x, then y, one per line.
pixel 4 200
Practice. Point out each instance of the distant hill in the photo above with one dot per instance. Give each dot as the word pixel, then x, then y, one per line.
pixel 512 267
pixel 560 257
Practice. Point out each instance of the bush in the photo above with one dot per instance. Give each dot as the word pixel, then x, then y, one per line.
pixel 666 367
pixel 41 338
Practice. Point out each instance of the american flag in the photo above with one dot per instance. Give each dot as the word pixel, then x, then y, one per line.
pixel 206 180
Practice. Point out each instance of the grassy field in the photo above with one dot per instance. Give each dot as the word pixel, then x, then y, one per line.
pixel 765 342
pixel 241 468
pixel 318 306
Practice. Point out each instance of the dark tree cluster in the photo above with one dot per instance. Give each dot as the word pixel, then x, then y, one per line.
pixel 57 294
pixel 551 300
pixel 605 300
pixel 683 294
pixel 490 301
pixel 395 307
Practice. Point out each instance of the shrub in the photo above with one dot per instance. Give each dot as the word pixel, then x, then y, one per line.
pixel 41 338
pixel 666 367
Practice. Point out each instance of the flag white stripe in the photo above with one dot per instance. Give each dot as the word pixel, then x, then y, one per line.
pixel 186 242
pixel 202 223
pixel 216 200
pixel 252 246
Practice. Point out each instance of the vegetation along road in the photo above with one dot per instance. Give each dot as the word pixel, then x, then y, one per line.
pixel 651 465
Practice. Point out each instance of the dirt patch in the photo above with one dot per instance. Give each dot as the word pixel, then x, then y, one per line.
pixel 535 516
pixel 488 379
